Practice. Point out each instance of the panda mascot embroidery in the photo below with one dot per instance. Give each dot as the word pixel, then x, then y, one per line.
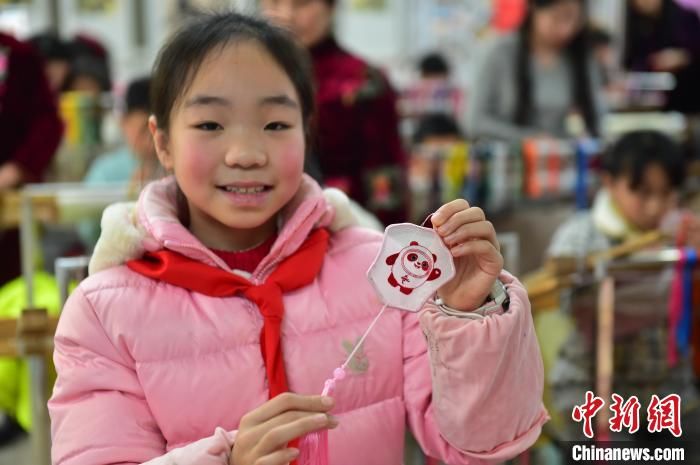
pixel 411 267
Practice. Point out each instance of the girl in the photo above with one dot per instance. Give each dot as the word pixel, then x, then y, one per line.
pixel 210 350
pixel 531 82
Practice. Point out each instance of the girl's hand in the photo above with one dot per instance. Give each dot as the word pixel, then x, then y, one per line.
pixel 478 261
pixel 263 433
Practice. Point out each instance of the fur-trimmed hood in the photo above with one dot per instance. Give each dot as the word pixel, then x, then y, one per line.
pixel 131 228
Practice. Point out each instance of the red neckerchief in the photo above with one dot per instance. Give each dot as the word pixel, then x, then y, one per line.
pixel 292 273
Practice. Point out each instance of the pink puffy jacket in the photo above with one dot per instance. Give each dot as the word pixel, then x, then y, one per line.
pixel 150 372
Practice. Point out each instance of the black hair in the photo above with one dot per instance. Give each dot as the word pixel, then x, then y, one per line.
pixel 436 124
pixel 433 63
pixel 137 96
pixel 636 151
pixel 51 47
pixel 180 58
pixel 578 53
pixel 90 66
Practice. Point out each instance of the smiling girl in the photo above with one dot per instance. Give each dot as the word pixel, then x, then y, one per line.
pixel 221 301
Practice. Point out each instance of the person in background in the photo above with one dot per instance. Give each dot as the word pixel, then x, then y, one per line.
pixel 58 56
pixel 358 140
pixel 30 131
pixel 436 129
pixel 136 160
pixel 643 174
pixel 434 92
pixel 90 70
pixel 642 177
pixel 134 163
pixel 436 135
pixel 537 82
pixel 662 36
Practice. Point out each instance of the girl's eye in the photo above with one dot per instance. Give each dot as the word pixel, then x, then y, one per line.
pixel 277 126
pixel 209 126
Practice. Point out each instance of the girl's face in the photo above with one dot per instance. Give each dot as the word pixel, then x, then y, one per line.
pixel 236 146
pixel 556 25
pixel 309 20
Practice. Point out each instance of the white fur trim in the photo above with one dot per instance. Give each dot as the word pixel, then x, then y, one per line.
pixel 122 237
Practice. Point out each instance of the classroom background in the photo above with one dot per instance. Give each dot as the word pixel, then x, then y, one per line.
pixel 449 71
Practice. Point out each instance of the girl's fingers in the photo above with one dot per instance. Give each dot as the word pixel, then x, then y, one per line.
pixel 279 436
pixel 481 248
pixel 285 418
pixel 446 211
pixel 280 457
pixel 471 231
pixel 469 215
pixel 286 402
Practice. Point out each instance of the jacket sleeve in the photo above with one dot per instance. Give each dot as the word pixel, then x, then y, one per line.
pixel 475 395
pixel 99 413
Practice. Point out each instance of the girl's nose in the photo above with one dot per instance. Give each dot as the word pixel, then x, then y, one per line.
pixel 245 154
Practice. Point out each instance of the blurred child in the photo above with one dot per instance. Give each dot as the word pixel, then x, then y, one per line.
pixel 642 176
pixel 436 135
pixel 434 92
pixel 135 162
pixel 436 129
pixel 90 69
pixel 58 55
pixel 137 156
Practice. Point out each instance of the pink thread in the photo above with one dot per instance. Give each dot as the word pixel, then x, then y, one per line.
pixel 314 446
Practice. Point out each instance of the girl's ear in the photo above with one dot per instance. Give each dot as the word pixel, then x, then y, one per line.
pixel 161 143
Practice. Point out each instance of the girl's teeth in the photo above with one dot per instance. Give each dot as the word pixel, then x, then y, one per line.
pixel 245 190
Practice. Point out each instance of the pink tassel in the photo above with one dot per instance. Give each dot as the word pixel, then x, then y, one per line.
pixel 314 447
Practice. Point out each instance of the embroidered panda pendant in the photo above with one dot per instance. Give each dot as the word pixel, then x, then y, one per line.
pixel 411 266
